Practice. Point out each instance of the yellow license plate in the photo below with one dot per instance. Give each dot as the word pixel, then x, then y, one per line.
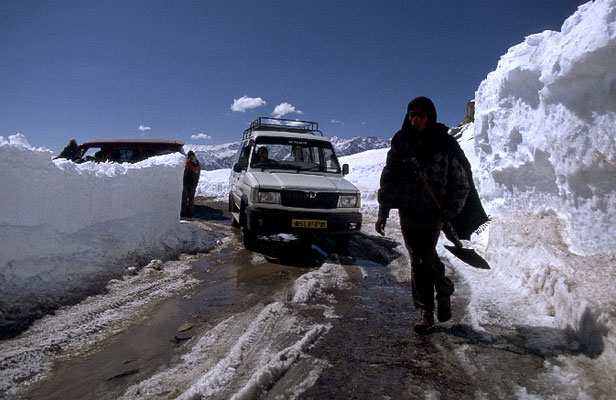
pixel 309 223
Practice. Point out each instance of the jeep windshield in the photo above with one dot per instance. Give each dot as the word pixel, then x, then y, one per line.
pixel 294 154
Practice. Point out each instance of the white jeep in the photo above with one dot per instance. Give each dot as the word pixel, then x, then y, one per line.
pixel 287 179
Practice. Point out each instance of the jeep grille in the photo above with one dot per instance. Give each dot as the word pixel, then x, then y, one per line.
pixel 307 199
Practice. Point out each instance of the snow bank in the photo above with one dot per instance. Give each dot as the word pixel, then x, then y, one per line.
pixel 365 173
pixel 545 122
pixel 214 184
pixel 546 151
pixel 71 197
pixel 67 228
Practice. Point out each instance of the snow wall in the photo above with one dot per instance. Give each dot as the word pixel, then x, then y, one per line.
pixel 68 228
pixel 544 139
pixel 544 126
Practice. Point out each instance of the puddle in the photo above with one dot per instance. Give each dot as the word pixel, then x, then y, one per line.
pixel 232 281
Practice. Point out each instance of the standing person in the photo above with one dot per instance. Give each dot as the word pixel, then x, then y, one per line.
pixel 423 149
pixel 192 171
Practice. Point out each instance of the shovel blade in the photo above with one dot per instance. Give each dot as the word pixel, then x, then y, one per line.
pixel 469 256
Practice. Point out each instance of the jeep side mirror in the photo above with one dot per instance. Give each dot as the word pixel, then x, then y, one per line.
pixel 240 165
pixel 345 169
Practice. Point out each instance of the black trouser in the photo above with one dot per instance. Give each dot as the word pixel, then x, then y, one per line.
pixel 188 200
pixel 427 270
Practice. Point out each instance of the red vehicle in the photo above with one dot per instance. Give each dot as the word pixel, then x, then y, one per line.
pixel 128 150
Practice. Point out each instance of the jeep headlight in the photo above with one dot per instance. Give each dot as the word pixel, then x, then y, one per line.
pixel 268 197
pixel 348 201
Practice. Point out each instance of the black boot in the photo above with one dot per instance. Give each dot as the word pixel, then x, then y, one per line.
pixel 426 324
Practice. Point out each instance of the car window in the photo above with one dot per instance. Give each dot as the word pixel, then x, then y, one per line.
pixel 243 154
pixel 93 154
pixel 128 152
pixel 331 162
pixel 123 155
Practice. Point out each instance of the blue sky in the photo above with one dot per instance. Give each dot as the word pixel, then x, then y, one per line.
pixel 182 69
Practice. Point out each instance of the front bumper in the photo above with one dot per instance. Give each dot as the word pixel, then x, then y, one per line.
pixel 272 221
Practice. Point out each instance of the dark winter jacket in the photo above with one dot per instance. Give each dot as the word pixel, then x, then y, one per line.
pixel 192 171
pixel 472 217
pixel 433 150
pixel 446 169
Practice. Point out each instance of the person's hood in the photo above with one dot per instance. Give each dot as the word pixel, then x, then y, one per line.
pixel 426 105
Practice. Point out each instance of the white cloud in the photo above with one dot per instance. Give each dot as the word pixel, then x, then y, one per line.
pixel 247 103
pixel 284 109
pixel 201 136
pixel 335 121
pixel 144 128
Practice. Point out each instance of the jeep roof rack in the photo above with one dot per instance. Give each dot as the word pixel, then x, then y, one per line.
pixel 281 125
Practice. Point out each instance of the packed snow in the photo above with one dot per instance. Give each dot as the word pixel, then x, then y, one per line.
pixel 544 127
pixel 543 154
pixel 544 136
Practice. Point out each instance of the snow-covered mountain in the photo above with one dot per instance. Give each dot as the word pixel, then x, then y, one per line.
pixel 347 147
pixel 220 156
pixel 214 157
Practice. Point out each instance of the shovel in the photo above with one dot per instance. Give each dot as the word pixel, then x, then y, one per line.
pixel 467 255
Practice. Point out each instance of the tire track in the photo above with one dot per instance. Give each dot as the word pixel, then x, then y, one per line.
pixel 80 328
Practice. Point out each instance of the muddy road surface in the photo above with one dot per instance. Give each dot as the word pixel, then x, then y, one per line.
pixel 286 321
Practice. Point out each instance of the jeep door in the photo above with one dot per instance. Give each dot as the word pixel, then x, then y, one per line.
pixel 237 172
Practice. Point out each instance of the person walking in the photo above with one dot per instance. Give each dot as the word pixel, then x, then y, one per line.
pixel 192 171
pixel 423 151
